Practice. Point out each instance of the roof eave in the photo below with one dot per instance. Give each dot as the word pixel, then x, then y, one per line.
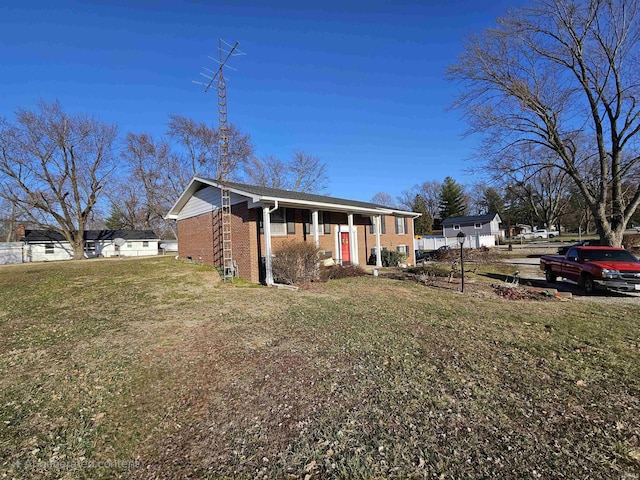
pixel 174 212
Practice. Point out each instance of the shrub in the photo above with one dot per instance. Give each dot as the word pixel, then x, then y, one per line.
pixel 631 241
pixel 295 262
pixel 390 258
pixel 435 270
pixel 335 272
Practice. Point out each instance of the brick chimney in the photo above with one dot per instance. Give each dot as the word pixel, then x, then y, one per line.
pixel 20 232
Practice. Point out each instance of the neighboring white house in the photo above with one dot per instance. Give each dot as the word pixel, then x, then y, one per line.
pixel 45 245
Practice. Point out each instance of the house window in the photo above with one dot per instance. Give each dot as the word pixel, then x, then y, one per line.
pixel 477 226
pixel 401 225
pixel 401 249
pixel 145 244
pixel 278 223
pixel 456 227
pixel 383 225
pixel 282 222
pixel 324 223
pixel 129 244
pixel 48 249
pixel 90 247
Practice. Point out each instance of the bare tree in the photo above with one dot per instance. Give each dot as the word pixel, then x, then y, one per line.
pixel 429 191
pixel 53 168
pixel 384 198
pixel 562 75
pixel 546 191
pixel 7 220
pixel 197 148
pixel 154 180
pixel 302 173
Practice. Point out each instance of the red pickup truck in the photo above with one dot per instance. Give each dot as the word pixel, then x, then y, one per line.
pixel 606 268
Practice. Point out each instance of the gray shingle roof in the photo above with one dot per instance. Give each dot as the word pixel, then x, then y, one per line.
pixel 293 195
pixel 471 219
pixel 92 235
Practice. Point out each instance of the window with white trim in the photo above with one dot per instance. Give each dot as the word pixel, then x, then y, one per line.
pixel 401 225
pixel 383 225
pixel 145 243
pixel 48 249
pixel 456 226
pixel 278 222
pixel 401 249
pixel 477 226
pixel 324 225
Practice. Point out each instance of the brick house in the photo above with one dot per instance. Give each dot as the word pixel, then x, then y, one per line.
pixel 348 231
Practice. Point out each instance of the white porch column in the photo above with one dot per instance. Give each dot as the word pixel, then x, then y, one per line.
pixel 315 228
pixel 352 237
pixel 266 223
pixel 377 220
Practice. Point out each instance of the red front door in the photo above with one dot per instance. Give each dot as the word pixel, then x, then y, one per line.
pixel 346 251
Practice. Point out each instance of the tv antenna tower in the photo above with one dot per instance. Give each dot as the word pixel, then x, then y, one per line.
pixel 226 51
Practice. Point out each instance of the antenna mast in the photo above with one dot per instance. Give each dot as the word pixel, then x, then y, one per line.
pixel 224 167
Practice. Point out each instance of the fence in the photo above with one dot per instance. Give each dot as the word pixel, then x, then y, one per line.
pixel 472 241
pixel 10 252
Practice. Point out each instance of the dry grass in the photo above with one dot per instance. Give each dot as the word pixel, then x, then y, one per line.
pixel 154 363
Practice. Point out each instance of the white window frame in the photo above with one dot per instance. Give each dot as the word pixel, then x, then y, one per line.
pixel 49 250
pixel 477 226
pixel 400 226
pixel 402 249
pixel 145 243
pixel 278 223
pixel 456 226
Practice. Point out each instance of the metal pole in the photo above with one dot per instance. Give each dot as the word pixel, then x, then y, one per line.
pixel 462 264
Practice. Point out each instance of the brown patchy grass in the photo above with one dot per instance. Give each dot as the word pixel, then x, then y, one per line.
pixel 154 362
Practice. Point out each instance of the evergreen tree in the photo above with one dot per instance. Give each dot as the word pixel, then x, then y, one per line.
pixel 492 201
pixel 452 199
pixel 422 225
pixel 115 220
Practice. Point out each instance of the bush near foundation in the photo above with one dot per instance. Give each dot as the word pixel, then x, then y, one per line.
pixel 390 258
pixel 295 262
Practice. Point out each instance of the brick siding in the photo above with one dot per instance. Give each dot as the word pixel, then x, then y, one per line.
pixel 200 238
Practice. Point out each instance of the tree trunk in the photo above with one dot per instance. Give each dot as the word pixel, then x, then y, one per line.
pixel 78 250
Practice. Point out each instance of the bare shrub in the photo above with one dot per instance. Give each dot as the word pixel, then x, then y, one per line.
pixel 335 272
pixel 295 262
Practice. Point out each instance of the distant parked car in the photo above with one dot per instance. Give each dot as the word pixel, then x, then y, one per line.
pixel 430 255
pixel 543 234
pixel 582 243
pixel 537 234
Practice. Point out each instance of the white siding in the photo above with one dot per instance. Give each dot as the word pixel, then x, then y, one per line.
pixel 63 250
pixel 204 201
pixel 471 241
pixel 36 252
pixel 10 252
pixel 133 248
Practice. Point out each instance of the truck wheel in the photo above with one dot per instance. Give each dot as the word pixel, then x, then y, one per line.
pixel 550 276
pixel 588 285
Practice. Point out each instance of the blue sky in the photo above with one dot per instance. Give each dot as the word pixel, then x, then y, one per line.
pixel 359 84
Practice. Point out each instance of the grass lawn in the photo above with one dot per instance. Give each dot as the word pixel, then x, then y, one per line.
pixel 149 369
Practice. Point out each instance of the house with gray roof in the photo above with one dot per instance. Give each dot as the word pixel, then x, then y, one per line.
pixel 47 245
pixel 473 226
pixel 263 219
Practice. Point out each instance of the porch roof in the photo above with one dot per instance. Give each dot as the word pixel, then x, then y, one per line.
pixel 269 196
